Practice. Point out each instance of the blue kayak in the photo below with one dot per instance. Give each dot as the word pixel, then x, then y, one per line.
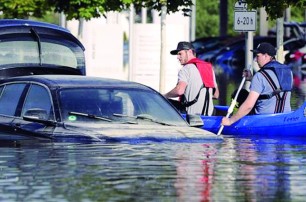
pixel 281 125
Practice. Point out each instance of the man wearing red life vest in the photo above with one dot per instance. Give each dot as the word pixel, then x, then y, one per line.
pixel 196 86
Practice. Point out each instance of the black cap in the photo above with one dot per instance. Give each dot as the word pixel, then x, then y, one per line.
pixel 183 45
pixel 265 48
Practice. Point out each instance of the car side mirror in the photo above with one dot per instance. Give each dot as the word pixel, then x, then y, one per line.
pixel 194 120
pixel 37 113
pixel 39 116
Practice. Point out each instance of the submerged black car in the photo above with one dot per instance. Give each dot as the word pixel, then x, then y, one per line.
pixel 82 108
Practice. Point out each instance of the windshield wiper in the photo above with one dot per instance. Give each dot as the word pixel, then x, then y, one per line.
pixel 144 117
pixel 90 116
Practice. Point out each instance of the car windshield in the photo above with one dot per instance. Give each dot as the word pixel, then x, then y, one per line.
pixel 133 106
pixel 26 52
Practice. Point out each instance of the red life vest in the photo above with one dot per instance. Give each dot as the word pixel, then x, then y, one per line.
pixel 206 71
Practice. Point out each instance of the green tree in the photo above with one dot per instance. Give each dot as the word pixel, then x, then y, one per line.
pixel 24 8
pixel 207 14
pixel 297 14
pixel 77 9
pixel 207 18
pixel 275 8
pixel 207 11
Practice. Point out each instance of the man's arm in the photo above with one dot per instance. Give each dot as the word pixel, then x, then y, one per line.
pixel 243 110
pixel 178 90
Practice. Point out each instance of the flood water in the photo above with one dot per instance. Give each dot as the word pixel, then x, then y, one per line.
pixel 237 169
pixel 244 168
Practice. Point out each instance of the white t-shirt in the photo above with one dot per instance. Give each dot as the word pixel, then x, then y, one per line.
pixel 191 75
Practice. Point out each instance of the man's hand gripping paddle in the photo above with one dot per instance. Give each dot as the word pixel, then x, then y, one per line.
pixel 234 101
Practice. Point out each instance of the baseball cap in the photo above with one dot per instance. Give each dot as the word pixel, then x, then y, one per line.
pixel 183 45
pixel 265 48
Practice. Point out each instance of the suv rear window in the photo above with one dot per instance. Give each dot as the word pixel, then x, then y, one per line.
pixel 26 52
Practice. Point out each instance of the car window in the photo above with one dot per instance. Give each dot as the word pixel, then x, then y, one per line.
pixel 26 52
pixel 9 99
pixel 111 102
pixel 89 101
pixel 38 98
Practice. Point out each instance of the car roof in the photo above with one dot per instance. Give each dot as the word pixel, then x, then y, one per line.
pixel 73 81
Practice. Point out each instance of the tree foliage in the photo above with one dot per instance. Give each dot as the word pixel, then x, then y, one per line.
pixel 23 8
pixel 208 18
pixel 172 6
pixel 207 12
pixel 207 15
pixel 87 9
pixel 275 8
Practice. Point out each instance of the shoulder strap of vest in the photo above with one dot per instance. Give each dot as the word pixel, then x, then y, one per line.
pixel 206 103
pixel 276 90
pixel 185 103
pixel 280 100
pixel 188 104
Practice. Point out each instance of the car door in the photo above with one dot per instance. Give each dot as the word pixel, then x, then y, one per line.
pixel 37 104
pixel 10 95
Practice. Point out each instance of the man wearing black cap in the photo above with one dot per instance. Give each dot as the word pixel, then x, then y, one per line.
pixel 196 86
pixel 270 90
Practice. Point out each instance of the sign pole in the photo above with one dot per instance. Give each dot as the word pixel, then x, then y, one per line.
pixel 245 21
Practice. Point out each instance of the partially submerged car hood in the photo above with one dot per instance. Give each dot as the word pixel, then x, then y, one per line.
pixel 30 47
pixel 124 132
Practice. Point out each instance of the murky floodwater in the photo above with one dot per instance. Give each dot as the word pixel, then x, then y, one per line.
pixel 238 169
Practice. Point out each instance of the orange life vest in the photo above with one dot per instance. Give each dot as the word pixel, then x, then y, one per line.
pixel 206 71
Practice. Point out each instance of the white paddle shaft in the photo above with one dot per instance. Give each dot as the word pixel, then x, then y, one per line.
pixel 233 103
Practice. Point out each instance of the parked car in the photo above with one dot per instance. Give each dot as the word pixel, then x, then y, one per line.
pixel 231 58
pixel 30 47
pixel 228 53
pixel 207 47
pixel 293 30
pixel 83 108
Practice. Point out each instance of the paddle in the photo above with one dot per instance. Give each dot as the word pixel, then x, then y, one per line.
pixel 233 103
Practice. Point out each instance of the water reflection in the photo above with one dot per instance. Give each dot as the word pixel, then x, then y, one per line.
pixel 238 169
pixel 195 172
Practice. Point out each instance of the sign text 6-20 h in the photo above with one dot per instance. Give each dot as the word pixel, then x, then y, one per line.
pixel 245 21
